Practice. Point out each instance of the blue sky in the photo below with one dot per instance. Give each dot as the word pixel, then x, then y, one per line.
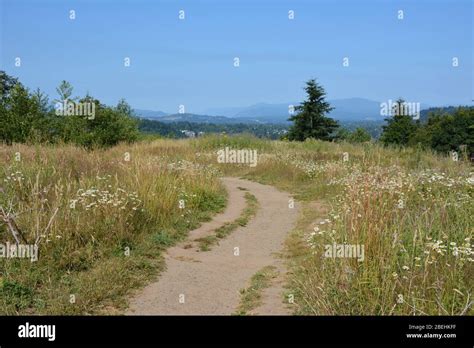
pixel 190 61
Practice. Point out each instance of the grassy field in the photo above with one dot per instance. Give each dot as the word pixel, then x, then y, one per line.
pixel 116 210
pixel 410 210
pixel 103 218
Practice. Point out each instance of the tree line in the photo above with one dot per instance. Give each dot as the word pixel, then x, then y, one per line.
pixel 174 129
pixel 30 117
pixel 441 131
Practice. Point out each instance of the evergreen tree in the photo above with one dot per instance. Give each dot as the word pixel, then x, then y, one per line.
pixel 64 90
pixel 400 128
pixel 310 120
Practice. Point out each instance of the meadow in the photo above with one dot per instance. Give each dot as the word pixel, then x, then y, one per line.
pixel 102 219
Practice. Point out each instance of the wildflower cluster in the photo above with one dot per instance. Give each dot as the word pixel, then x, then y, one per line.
pixel 94 198
pixel 15 177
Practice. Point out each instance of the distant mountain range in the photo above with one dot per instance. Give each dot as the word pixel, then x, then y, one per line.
pixel 351 109
pixel 193 118
pixel 150 113
pixel 345 110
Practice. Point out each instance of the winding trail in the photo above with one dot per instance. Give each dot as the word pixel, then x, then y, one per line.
pixel 208 283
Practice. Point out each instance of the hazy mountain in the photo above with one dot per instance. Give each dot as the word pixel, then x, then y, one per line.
pixel 354 109
pixel 150 114
pixel 262 112
pixel 345 110
pixel 193 118
pixel 229 112
pixel 266 111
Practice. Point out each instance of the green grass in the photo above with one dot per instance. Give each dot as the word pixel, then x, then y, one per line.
pixel 251 297
pixel 205 243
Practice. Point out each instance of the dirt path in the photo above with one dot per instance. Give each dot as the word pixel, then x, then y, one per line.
pixel 209 282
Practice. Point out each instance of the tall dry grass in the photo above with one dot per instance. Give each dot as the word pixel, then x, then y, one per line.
pixel 101 219
pixel 411 210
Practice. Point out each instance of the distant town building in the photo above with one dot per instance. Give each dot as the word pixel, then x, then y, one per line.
pixel 188 134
